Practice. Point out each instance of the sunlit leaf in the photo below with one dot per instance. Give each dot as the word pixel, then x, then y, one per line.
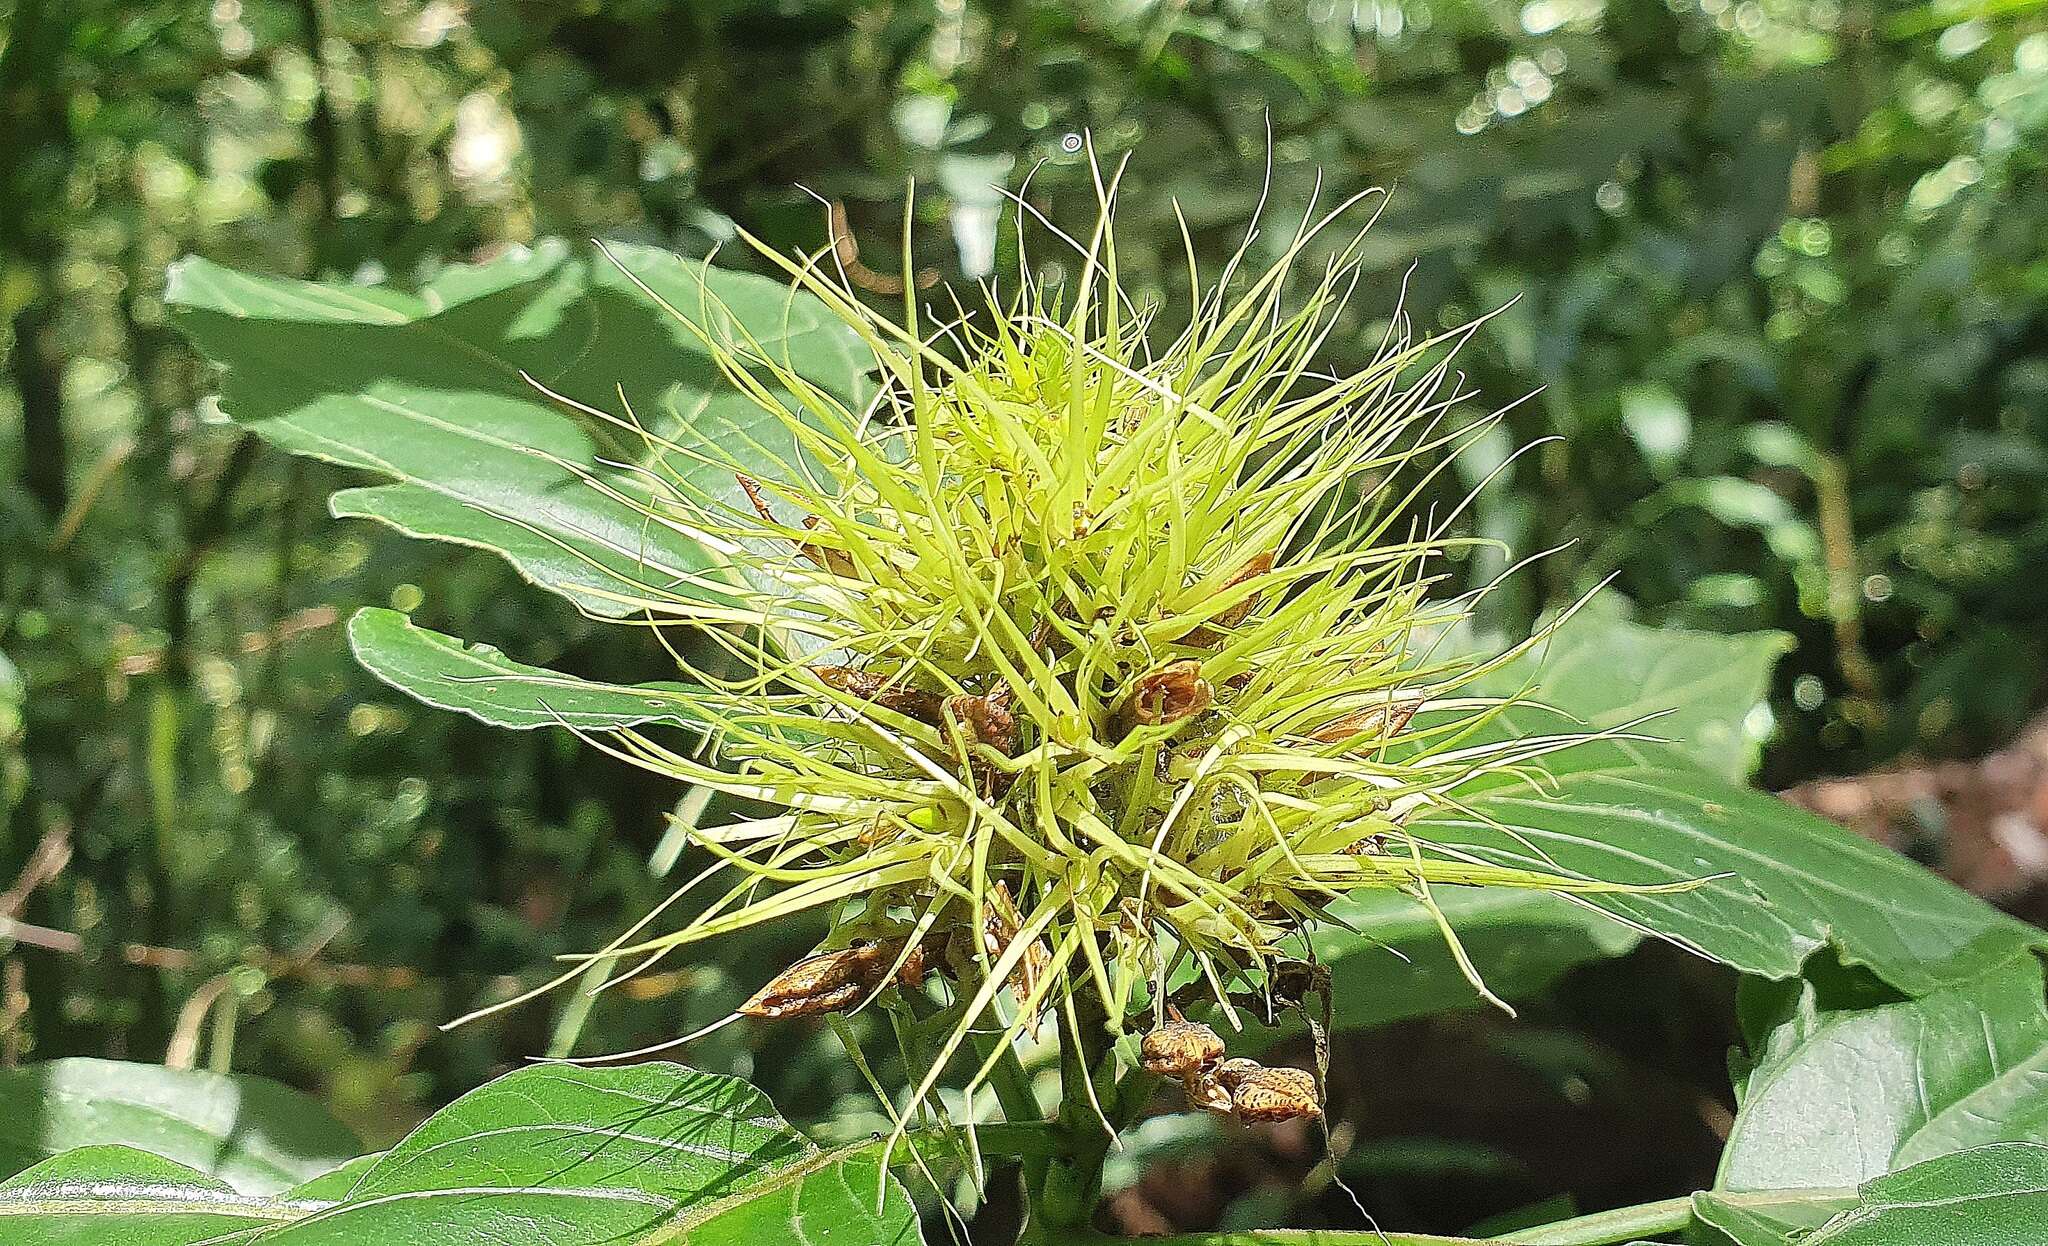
pixel 549 1155
pixel 479 681
pixel 432 391
pixel 250 1132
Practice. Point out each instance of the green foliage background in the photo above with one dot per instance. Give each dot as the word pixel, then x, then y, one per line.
pixel 1782 294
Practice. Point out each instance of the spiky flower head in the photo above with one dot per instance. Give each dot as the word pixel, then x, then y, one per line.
pixel 1078 661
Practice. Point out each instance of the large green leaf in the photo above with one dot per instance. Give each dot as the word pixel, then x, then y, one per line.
pixel 1597 671
pixel 1637 811
pixel 1389 962
pixel 1987 1196
pixel 430 390
pixel 1837 1098
pixel 252 1133
pixel 479 681
pixel 549 1155
pixel 1602 671
pixel 1783 883
pixel 1641 812
pixel 102 1195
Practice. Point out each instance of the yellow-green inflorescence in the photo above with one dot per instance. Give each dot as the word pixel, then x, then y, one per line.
pixel 1078 660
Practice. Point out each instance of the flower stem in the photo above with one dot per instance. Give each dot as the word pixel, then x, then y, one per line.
pixel 1603 1228
pixel 1065 1200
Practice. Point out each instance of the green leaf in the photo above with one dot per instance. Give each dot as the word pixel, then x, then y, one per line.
pixel 1837 1098
pixel 249 1132
pixel 1627 811
pixel 550 1155
pixel 1989 1194
pixel 479 681
pixel 1389 962
pixel 1783 883
pixel 1603 671
pixel 98 1195
pixel 427 390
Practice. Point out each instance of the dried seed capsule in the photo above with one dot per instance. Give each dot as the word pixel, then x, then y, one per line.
pixel 1180 1049
pixel 916 964
pixel 1174 692
pixel 827 981
pixel 1378 721
pixel 988 719
pixel 1205 1092
pixel 926 707
pixel 1207 635
pixel 1269 1094
pixel 1234 1071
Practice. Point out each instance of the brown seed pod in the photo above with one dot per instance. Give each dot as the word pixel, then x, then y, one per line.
pixel 987 719
pixel 925 707
pixel 1180 1049
pixel 1270 1094
pixel 1232 1072
pixel 916 964
pixel 830 981
pixel 1208 635
pixel 1170 694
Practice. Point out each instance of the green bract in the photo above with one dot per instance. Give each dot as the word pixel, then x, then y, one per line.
pixel 1079 663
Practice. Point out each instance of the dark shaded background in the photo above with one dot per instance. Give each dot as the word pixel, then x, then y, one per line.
pixel 1783 287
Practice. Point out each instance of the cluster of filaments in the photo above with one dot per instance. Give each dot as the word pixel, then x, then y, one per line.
pixel 1078 668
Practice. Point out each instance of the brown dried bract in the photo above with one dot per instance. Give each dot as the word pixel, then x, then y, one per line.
pixel 1269 1094
pixel 1378 721
pixel 1208 635
pixel 828 981
pixel 1000 924
pixel 988 719
pixel 838 562
pixel 925 707
pixel 1170 694
pixel 847 252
